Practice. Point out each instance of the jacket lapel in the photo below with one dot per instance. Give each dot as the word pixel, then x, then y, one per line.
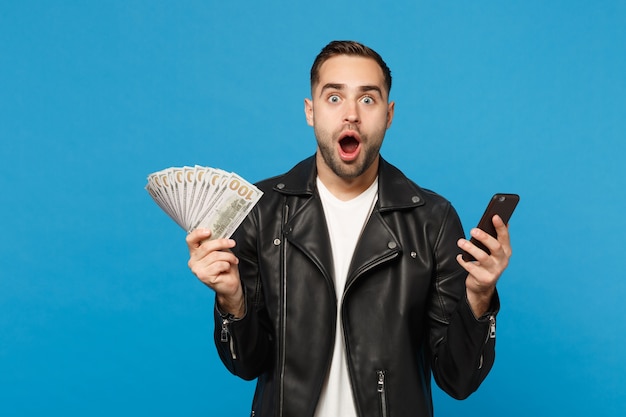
pixel 307 231
pixel 377 244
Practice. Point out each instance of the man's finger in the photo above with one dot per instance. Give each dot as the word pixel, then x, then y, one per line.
pixel 196 237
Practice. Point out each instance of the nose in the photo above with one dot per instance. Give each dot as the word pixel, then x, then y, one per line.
pixel 352 112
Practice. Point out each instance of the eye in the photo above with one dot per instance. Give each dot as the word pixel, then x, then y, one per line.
pixel 367 100
pixel 334 99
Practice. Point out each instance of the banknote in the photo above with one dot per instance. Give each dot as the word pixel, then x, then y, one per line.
pixel 231 204
pixel 203 197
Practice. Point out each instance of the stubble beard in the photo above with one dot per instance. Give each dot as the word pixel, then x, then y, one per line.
pixel 347 170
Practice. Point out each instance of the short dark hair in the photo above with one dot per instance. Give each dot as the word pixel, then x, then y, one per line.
pixel 351 48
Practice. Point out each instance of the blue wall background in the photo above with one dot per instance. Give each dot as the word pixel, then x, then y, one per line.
pixel 99 314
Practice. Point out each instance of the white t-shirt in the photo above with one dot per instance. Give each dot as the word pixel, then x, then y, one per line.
pixel 346 220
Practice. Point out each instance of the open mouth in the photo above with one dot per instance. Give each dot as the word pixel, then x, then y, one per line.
pixel 349 145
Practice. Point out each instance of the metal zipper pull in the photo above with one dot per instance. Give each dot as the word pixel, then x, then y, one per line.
pixel 491 334
pixel 224 333
pixel 224 337
pixel 381 393
pixel 381 381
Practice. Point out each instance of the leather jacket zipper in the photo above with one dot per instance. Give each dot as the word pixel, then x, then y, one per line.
pixel 283 318
pixel 491 334
pixel 382 394
pixel 226 337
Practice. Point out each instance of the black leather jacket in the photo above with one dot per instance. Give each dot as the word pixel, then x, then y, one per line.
pixel 404 310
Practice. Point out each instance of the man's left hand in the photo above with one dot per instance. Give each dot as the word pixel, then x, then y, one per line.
pixel 485 271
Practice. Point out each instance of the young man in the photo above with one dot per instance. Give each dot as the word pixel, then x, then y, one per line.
pixel 346 287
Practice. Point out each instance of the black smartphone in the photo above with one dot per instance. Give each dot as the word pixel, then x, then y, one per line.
pixel 501 204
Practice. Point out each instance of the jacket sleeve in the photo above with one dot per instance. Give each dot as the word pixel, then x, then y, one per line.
pixel 244 344
pixel 462 347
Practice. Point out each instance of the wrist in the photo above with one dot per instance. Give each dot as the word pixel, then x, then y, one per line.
pixel 234 306
pixel 480 302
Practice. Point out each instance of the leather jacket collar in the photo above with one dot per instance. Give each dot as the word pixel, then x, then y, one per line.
pixel 399 192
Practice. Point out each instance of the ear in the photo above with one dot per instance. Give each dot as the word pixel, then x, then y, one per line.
pixel 390 109
pixel 308 111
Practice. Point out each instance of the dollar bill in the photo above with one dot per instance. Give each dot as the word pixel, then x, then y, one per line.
pixel 204 197
pixel 159 188
pixel 234 200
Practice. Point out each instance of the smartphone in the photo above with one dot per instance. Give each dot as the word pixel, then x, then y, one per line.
pixel 501 204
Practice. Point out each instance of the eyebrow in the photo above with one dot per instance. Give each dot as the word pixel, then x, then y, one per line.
pixel 362 89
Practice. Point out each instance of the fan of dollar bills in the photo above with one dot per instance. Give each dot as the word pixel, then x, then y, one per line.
pixel 203 197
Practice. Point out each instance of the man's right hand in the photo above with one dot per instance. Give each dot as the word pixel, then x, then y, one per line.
pixel 215 265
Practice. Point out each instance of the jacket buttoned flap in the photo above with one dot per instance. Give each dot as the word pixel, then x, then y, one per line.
pixel 377 245
pixel 304 231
